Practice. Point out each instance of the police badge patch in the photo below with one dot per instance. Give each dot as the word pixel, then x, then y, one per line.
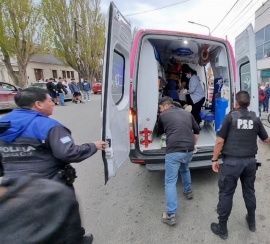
pixel 65 139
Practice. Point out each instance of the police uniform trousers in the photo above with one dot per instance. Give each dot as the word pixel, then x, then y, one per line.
pixel 231 170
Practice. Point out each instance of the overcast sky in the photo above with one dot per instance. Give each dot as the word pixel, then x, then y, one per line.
pixel 175 14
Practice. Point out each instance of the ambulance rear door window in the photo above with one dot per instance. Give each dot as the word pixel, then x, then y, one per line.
pixel 245 81
pixel 117 85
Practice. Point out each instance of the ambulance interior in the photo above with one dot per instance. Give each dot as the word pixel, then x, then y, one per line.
pixel 160 59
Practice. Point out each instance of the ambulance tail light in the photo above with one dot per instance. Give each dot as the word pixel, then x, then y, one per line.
pixel 130 117
pixel 138 161
pixel 131 132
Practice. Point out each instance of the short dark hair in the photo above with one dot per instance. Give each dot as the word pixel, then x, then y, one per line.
pixel 27 97
pixel 243 99
pixel 185 68
pixel 193 72
pixel 165 100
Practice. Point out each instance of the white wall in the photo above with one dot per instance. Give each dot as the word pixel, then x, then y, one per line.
pixel 262 16
pixel 47 71
pixel 262 20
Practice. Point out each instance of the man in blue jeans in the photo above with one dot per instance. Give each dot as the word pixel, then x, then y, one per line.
pixel 86 87
pixel 182 133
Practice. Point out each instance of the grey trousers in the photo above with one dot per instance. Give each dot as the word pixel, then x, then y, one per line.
pixel 231 170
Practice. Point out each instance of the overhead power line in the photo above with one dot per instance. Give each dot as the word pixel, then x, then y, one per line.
pixel 247 21
pixel 240 15
pixel 147 11
pixel 238 29
pixel 225 16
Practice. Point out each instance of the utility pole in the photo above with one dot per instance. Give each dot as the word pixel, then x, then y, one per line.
pixel 78 60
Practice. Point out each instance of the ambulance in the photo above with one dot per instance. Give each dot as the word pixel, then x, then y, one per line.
pixel 135 72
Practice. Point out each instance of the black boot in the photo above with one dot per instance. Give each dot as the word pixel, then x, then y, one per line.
pixel 220 229
pixel 251 222
pixel 87 239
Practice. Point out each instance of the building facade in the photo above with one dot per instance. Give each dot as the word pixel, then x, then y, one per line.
pixel 41 67
pixel 262 35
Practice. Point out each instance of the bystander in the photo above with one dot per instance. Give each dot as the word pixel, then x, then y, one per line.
pixel 86 87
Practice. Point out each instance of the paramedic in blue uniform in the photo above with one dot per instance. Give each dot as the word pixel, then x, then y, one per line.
pixel 237 142
pixel 37 144
pixel 182 133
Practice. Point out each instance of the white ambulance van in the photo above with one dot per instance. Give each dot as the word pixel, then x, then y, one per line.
pixel 133 77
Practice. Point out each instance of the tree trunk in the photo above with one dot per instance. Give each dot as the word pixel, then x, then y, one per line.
pixel 9 67
pixel 22 77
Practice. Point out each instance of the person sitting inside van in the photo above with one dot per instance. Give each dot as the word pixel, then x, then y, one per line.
pixel 196 93
pixel 172 89
pixel 185 85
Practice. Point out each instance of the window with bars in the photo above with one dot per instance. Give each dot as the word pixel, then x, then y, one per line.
pixel 54 74
pixel 72 74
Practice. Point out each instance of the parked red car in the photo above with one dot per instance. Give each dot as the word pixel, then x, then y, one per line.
pixel 96 87
pixel 7 93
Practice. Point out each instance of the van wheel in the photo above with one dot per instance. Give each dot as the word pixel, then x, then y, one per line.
pixel 95 92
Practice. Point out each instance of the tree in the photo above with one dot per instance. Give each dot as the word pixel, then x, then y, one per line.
pixel 22 34
pixel 81 22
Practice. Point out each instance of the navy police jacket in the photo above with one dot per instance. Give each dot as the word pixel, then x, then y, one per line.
pixel 39 145
pixel 240 129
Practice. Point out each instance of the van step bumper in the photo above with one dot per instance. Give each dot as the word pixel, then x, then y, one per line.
pixel 193 164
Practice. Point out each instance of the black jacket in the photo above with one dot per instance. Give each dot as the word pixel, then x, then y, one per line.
pixel 240 129
pixel 180 127
pixel 39 211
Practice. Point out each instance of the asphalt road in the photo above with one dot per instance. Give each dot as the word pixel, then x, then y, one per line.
pixel 128 208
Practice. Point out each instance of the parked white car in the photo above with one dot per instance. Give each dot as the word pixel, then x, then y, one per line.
pixel 68 96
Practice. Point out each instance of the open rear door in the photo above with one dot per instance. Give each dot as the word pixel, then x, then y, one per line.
pixel 115 91
pixel 246 66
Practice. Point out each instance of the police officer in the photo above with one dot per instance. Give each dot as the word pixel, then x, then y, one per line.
pixel 37 144
pixel 237 141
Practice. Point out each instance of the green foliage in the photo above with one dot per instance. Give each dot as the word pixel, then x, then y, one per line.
pixel 28 27
pixel 21 34
pixel 90 27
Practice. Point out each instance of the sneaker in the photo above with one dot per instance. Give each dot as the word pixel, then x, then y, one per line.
pixel 170 220
pixel 188 194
